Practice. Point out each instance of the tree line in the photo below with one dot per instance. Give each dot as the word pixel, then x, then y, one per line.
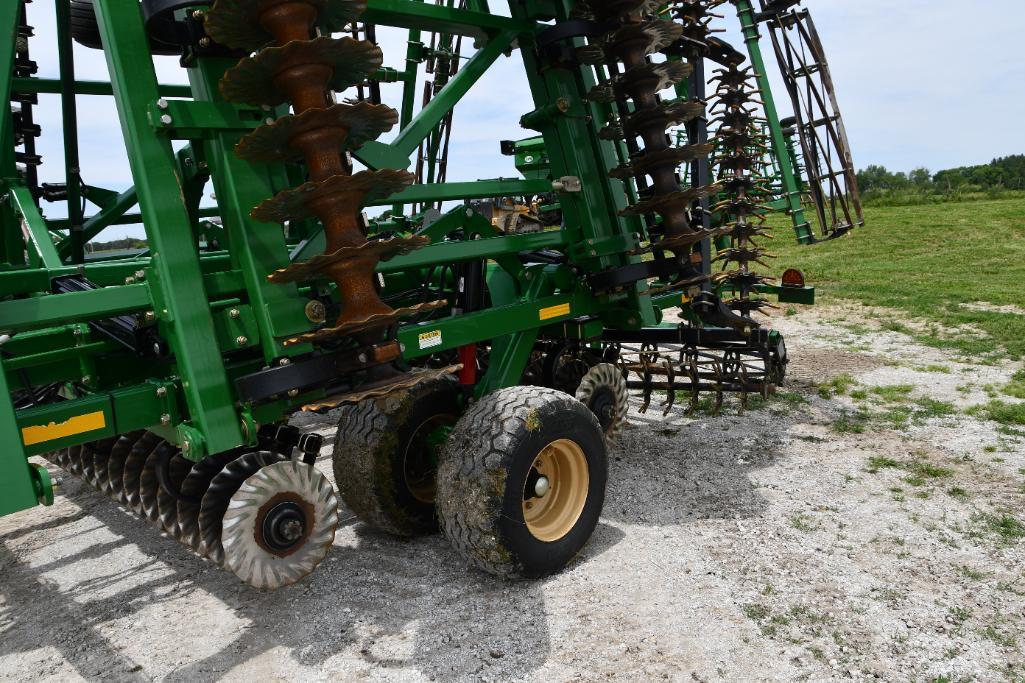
pixel 997 178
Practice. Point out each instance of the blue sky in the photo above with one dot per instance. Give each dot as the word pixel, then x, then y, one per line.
pixel 919 82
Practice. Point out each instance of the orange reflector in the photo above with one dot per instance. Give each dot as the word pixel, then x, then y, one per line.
pixel 792 278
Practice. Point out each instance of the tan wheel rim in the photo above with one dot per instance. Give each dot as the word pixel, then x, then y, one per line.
pixel 556 490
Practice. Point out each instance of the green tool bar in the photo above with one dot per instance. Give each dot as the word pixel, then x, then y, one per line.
pixel 129 218
pixel 440 192
pixel 441 19
pixel 110 273
pixel 471 250
pixel 57 425
pixel 52 86
pixel 41 311
pixel 450 333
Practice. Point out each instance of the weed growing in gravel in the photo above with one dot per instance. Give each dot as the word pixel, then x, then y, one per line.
pixel 894 393
pixel 755 612
pixel 959 615
pixel 941 369
pixel 851 423
pixel 919 473
pixel 957 492
pixel 1016 387
pixel 999 637
pixel 1006 528
pixel 1011 587
pixel 838 386
pixel 999 411
pixel 800 522
pixel 973 574
pixel 791 398
pixel 881 462
pixel 902 416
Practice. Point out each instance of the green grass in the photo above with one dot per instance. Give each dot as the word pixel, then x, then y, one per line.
pixel 924 261
pixel 838 386
pixel 999 411
pixel 1006 528
pixel 894 392
pixel 919 472
pixel 1016 387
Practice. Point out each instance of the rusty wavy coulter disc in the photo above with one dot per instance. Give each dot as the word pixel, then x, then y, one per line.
pixel 670 201
pixel 654 77
pixel 671 156
pixel 252 80
pixel 379 249
pixel 382 388
pixel 677 242
pixel 649 36
pixel 294 204
pixel 361 122
pixel 236 23
pixel 370 322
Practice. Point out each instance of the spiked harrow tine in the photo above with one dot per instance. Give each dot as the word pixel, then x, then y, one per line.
pixel 743 144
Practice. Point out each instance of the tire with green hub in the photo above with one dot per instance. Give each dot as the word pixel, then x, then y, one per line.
pixel 385 456
pixel 521 481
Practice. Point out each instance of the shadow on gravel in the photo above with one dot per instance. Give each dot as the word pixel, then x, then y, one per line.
pixel 665 473
pixel 395 605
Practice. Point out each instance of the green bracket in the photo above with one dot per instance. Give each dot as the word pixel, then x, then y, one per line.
pixel 193 120
pixel 35 229
pixel 396 154
pixel 21 485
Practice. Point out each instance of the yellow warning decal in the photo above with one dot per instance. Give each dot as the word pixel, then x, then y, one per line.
pixel 553 311
pixel 428 339
pixel 58 430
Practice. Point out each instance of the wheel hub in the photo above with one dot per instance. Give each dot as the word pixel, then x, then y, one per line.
pixel 284 526
pixel 555 491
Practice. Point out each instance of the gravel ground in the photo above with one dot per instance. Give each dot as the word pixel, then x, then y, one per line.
pixel 836 532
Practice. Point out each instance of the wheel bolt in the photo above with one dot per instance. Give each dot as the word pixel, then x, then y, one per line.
pixel 291 530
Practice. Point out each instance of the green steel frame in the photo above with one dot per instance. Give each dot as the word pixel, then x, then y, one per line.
pixel 214 307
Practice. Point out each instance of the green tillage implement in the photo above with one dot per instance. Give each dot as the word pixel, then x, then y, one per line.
pixel 187 343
